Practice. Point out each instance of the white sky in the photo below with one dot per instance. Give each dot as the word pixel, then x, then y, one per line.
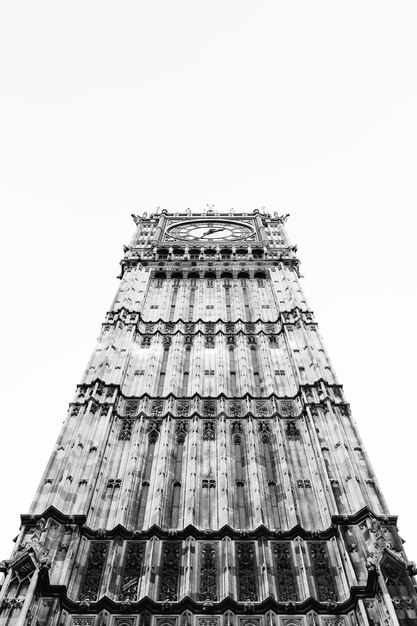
pixel 109 108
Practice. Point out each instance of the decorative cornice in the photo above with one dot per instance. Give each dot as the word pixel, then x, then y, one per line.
pixel 283 317
pixel 148 260
pixel 210 212
pixel 242 332
pixel 313 384
pixel 219 331
pixel 261 532
pixel 215 608
pixel 222 396
pixel 248 415
pixel 256 246
pixel 53 513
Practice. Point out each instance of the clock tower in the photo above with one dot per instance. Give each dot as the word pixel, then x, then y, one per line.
pixel 209 471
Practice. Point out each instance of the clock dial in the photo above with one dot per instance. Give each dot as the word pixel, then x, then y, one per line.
pixel 210 231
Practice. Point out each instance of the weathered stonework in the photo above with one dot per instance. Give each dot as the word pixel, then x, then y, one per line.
pixel 209 472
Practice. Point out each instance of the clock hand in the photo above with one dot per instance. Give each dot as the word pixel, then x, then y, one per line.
pixel 213 230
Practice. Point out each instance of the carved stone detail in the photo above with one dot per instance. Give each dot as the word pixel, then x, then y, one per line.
pixel 264 431
pixel 166 621
pixel 125 431
pixel 181 431
pixel 249 621
pixel 287 407
pixel 246 567
pixel 94 570
pixel 157 407
pixel 235 408
pixel 292 432
pixel 170 566
pixel 261 408
pixel 237 432
pixel 338 621
pixel 209 433
pixel 131 407
pixel 284 570
pixel 208 483
pixel 183 409
pixel 208 621
pixel 322 572
pixel 131 571
pixel 153 430
pixel 208 572
pixel 209 408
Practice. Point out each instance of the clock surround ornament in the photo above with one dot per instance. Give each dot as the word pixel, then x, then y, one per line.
pixel 210 230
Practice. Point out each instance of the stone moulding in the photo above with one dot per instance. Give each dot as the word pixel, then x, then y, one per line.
pixel 281 320
pixel 262 532
pixel 113 386
pixel 144 261
pixel 248 415
pixel 361 592
pixel 246 396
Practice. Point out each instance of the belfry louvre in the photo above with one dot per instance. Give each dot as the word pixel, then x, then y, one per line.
pixel 209 472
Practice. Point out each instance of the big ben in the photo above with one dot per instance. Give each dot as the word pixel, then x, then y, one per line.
pixel 209 471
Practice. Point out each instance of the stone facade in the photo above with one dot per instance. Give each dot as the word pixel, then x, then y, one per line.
pixel 209 472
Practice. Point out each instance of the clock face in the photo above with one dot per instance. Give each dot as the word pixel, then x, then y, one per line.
pixel 210 231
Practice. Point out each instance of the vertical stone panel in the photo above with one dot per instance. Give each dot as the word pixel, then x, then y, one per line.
pixel 94 570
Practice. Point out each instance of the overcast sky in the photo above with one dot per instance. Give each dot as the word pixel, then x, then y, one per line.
pixel 109 108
